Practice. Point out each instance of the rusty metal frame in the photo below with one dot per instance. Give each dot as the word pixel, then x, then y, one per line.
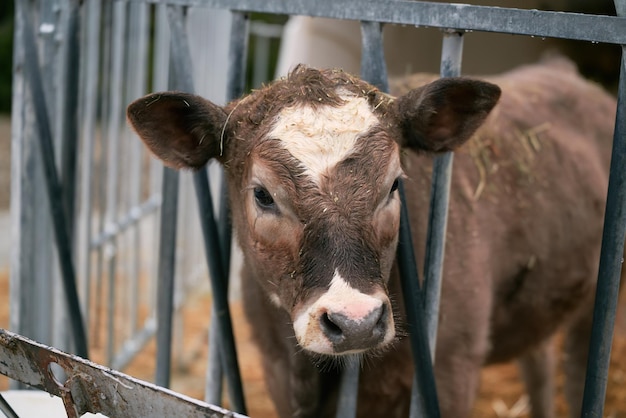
pixel 90 387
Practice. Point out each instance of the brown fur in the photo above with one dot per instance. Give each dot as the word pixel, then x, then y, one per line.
pixel 523 233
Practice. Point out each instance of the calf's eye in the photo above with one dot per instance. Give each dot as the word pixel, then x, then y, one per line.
pixel 263 199
pixel 394 186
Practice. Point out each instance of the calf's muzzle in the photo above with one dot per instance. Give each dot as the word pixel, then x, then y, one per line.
pixel 345 320
pixel 347 333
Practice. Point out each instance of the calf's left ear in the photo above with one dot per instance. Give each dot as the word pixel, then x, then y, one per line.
pixel 442 115
pixel 181 129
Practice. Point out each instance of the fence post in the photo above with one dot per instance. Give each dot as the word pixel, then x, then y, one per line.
pixel 374 71
pixel 439 198
pixel 32 249
pixel 611 259
pixel 91 63
pixel 165 284
pixel 53 187
pixel 235 86
pixel 181 64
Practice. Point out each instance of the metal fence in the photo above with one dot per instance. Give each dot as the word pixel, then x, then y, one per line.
pixel 73 119
pixel 96 234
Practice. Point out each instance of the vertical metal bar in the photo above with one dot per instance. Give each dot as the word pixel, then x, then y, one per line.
pixel 373 66
pixel 19 209
pixel 161 70
pixel 237 55
pixel 215 365
pixel 69 131
pixel 6 409
pixel 101 177
pixel 220 292
pixel 374 71
pixel 348 389
pixel 424 401
pixel 161 49
pixel 181 59
pixel 166 269
pixel 261 60
pixel 48 24
pixel 113 135
pixel 611 259
pixel 53 188
pixel 451 55
pixel 179 80
pixel 180 56
pixel 235 86
pixel 214 387
pixel 137 49
pixel 30 225
pixel 424 395
pixel 91 65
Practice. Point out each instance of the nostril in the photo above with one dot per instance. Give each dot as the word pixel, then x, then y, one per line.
pixel 331 329
pixel 381 324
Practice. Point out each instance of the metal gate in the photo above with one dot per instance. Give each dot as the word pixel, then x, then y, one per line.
pixel 97 57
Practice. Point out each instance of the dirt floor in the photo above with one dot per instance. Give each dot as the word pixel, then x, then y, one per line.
pixel 501 393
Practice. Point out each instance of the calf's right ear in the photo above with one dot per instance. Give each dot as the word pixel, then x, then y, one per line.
pixel 442 115
pixel 183 130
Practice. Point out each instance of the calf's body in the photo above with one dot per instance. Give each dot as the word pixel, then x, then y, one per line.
pixel 313 162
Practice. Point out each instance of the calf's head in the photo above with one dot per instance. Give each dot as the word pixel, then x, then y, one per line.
pixel 313 164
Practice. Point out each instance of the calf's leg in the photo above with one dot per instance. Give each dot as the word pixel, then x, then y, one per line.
pixel 537 369
pixel 576 350
pixel 458 379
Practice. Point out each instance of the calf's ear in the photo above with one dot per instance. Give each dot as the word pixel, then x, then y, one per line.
pixel 442 115
pixel 181 129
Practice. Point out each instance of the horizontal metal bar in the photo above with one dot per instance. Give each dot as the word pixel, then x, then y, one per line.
pixel 89 387
pixel 266 30
pixel 135 344
pixel 133 216
pixel 544 24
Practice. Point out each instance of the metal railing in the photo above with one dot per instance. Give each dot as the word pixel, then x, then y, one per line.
pixel 116 217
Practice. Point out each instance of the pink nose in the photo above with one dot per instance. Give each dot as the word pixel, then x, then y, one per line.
pixel 349 333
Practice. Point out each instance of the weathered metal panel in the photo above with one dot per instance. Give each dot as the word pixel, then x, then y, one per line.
pixel 89 387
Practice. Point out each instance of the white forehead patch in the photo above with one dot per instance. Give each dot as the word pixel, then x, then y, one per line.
pixel 319 137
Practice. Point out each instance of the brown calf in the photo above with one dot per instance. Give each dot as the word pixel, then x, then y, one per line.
pixel 312 163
